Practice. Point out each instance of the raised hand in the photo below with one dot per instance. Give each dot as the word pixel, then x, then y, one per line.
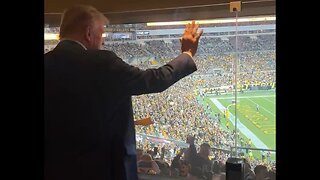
pixel 190 38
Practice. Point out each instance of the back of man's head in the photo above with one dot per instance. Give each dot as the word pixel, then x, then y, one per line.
pixel 146 157
pixel 139 153
pixel 204 150
pixel 260 171
pixel 77 18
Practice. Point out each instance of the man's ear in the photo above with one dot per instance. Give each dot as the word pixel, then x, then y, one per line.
pixel 88 34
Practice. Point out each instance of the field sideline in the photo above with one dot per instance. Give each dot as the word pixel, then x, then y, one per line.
pixel 256 111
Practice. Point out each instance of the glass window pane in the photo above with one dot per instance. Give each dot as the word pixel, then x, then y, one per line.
pixel 203 104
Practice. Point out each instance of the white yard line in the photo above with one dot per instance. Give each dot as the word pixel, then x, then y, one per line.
pixel 242 128
pixel 241 97
pixel 269 100
pixel 263 108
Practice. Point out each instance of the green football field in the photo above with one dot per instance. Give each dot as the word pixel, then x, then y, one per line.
pixel 255 110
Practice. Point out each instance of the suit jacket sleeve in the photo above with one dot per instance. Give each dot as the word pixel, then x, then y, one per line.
pixel 135 81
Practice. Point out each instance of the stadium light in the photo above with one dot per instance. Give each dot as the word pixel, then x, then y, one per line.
pixel 215 21
pixel 51 36
pixel 55 36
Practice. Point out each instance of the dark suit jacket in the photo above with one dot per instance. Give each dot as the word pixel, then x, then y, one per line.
pixel 89 128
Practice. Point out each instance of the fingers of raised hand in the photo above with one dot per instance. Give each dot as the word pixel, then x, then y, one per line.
pixel 197 36
pixel 188 28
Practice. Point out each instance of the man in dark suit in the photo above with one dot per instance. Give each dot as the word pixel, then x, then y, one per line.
pixel 89 128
